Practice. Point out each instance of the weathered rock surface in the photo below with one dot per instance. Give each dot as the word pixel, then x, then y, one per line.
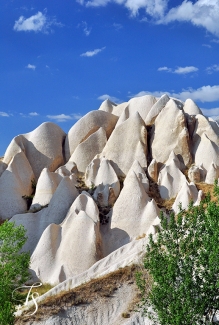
pixel 46 187
pixel 118 165
pixel 100 174
pixel 191 108
pixel 170 179
pixel 131 216
pixel 36 223
pixel 127 143
pixel 171 134
pixel 15 182
pixel 205 143
pixel 140 173
pixel 86 126
pixel 88 149
pixel 62 251
pixel 42 147
pixel 156 109
pixel 187 193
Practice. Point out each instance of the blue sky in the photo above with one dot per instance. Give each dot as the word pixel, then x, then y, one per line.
pixel 61 59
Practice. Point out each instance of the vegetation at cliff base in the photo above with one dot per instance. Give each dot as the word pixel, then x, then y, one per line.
pixel 13 269
pixel 183 262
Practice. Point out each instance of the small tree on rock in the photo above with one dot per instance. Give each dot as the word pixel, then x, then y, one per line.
pixel 13 269
pixel 183 262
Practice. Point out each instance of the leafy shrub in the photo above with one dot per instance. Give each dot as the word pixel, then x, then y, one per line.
pixel 183 262
pixel 13 269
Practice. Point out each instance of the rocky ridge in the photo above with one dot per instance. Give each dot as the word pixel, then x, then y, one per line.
pixel 90 198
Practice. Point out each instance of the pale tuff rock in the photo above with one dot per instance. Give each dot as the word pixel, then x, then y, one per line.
pixel 87 125
pixel 156 109
pixel 36 223
pixel 118 110
pixel 170 134
pixel 187 193
pixel 173 158
pixel 88 149
pixel 153 229
pixel 123 117
pixel 153 170
pixel 101 174
pixel 14 147
pixel 15 182
pixel 179 103
pixel 203 126
pixel 170 179
pixel 214 125
pixel 128 142
pixel 62 251
pixel 84 202
pixel 68 169
pixel 107 310
pixel 205 143
pixel 113 108
pixel 191 108
pixel 212 174
pixel 142 105
pixel 132 214
pixel 194 174
pixel 129 254
pixel 42 147
pixel 3 166
pixel 206 152
pixel 140 173
pixel 107 106
pixel 65 238
pixel 46 186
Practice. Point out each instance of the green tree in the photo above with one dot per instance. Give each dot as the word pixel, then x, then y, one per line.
pixel 13 269
pixel 183 263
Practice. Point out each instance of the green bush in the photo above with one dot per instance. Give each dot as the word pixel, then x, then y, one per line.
pixel 13 269
pixel 183 263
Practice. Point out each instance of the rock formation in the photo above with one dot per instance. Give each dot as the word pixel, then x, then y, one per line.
pixel 99 189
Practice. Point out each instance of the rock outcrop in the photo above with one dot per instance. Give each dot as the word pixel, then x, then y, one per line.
pixel 89 200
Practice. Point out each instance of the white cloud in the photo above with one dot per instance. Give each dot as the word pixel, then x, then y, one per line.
pixel 210 111
pixel 202 13
pixel 154 8
pixel 212 68
pixel 64 117
pixel 31 66
pixel 4 114
pixel 202 94
pixel 207 45
pixel 179 70
pixel 36 23
pixel 33 114
pixel 92 53
pixel 86 30
pixel 164 69
pixel 215 40
pixel 111 98
pixel 117 26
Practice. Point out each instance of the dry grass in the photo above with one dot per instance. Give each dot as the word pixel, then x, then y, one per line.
pixel 81 186
pixel 84 294
pixel 154 193
pixel 207 188
pixel 40 290
pixel 141 236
